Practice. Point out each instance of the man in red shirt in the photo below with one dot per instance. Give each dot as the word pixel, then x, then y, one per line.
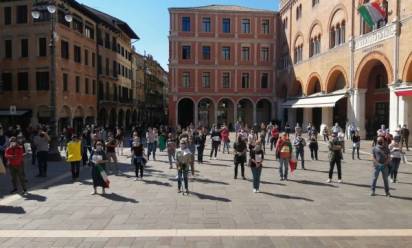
pixel 274 136
pixel 224 133
pixel 15 159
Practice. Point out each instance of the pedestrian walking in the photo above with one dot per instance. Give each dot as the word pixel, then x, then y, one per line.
pixel 41 141
pixel 74 156
pixel 284 153
pixel 138 159
pixel 183 161
pixel 14 156
pixel 395 150
pixel 111 145
pixel 215 136
pixel 335 157
pixel 405 137
pixel 355 144
pixel 256 164
pixel 287 128
pixel 381 160
pixel 98 161
pixel 314 147
pixel 240 149
pixel 171 149
pixel 299 143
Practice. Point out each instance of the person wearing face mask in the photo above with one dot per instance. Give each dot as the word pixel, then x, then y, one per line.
pixel 14 155
pixel 255 163
pixel 335 157
pixel 299 143
pixel 98 160
pixel 74 156
pixel 381 159
pixel 138 159
pixel 284 153
pixel 396 155
pixel 183 162
pixel 216 137
pixel 240 150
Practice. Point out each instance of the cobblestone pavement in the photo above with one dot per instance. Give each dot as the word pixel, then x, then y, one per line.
pixel 217 201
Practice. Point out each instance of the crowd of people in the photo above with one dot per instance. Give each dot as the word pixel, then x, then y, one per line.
pixel 100 148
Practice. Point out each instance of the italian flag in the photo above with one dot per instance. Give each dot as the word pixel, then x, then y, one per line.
pixel 372 12
pixel 103 175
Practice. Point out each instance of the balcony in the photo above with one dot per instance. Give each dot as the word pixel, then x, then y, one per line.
pixel 376 36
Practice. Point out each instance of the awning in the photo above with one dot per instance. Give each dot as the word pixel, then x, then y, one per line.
pixel 404 92
pixel 17 113
pixel 314 101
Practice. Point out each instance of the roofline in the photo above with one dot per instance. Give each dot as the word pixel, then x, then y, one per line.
pixel 198 8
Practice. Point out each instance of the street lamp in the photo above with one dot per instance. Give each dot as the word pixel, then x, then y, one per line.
pixel 51 7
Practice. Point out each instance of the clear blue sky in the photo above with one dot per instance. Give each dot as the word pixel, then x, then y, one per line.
pixel 150 18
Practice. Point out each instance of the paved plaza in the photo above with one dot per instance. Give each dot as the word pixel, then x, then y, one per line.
pixel 220 211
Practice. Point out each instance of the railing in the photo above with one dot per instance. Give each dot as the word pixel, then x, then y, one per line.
pixel 375 36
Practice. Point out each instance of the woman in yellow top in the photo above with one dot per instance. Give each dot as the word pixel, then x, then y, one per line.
pixel 74 156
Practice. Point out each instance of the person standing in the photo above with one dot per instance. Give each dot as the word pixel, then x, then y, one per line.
pixel 314 147
pixel 335 157
pixel 74 156
pixel 262 136
pixel 119 140
pixel 162 141
pixel 355 144
pixel 84 148
pixel 405 137
pixel 14 155
pixel 151 143
pixel 171 149
pixel 240 149
pixel 183 161
pixel 298 129
pixel 325 133
pixel 284 153
pixel 336 129
pixel 395 149
pixel 4 144
pixel 381 159
pixel 256 160
pixel 287 128
pixel 200 142
pixel 215 136
pixel 138 159
pixel 252 139
pixel 111 154
pixel 98 160
pixel 225 138
pixel 41 141
pixel 299 143
pixel 192 147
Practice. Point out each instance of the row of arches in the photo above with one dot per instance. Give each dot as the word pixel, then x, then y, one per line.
pixel 207 111
pixel 112 117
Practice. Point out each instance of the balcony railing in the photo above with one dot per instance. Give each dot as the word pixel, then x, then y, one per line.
pixel 375 36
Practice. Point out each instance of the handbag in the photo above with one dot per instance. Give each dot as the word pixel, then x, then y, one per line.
pixel 2 167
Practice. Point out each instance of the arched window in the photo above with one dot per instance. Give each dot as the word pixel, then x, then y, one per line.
pixel 315 40
pixel 332 37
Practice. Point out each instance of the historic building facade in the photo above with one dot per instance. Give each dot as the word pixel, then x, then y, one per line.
pixel 334 68
pixel 92 60
pixel 222 65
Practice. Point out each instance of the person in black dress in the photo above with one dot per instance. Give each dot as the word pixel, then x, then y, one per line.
pixel 98 160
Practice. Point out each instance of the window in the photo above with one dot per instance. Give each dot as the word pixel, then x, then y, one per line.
pixel 206 79
pixel 245 26
pixel 206 52
pixel 265 26
pixel 77 84
pixel 206 24
pixel 7 15
pixel 186 52
pixel 64 49
pixel 65 82
pixel 186 80
pixel 99 64
pixel 94 87
pixel 264 80
pixel 226 53
pixel 77 54
pixel 298 54
pixel 7 81
pixel 315 2
pixel 264 54
pixel 226 25
pixel 23 81
pixel 245 53
pixel 245 80
pixel 285 23
pixel 314 48
pixel 43 17
pixel 86 86
pixel 226 80
pixel 337 35
pixel 21 14
pixel 380 82
pixel 42 47
pixel 86 57
pixel 42 80
pixel 107 67
pixel 114 44
pixel 24 48
pixel 93 59
pixel 298 11
pixel 114 71
pixel 8 49
pixel 89 31
pixel 77 24
pixel 186 24
pixel 107 40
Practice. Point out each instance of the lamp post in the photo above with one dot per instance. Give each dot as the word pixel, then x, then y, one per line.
pixel 50 6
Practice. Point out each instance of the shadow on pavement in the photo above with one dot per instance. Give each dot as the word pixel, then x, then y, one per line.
pixel 210 197
pixel 364 185
pixel 402 198
pixel 11 210
pixel 119 198
pixel 321 171
pixel 313 183
pixel 34 197
pixel 158 183
pixel 288 197
pixel 266 182
pixel 205 180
